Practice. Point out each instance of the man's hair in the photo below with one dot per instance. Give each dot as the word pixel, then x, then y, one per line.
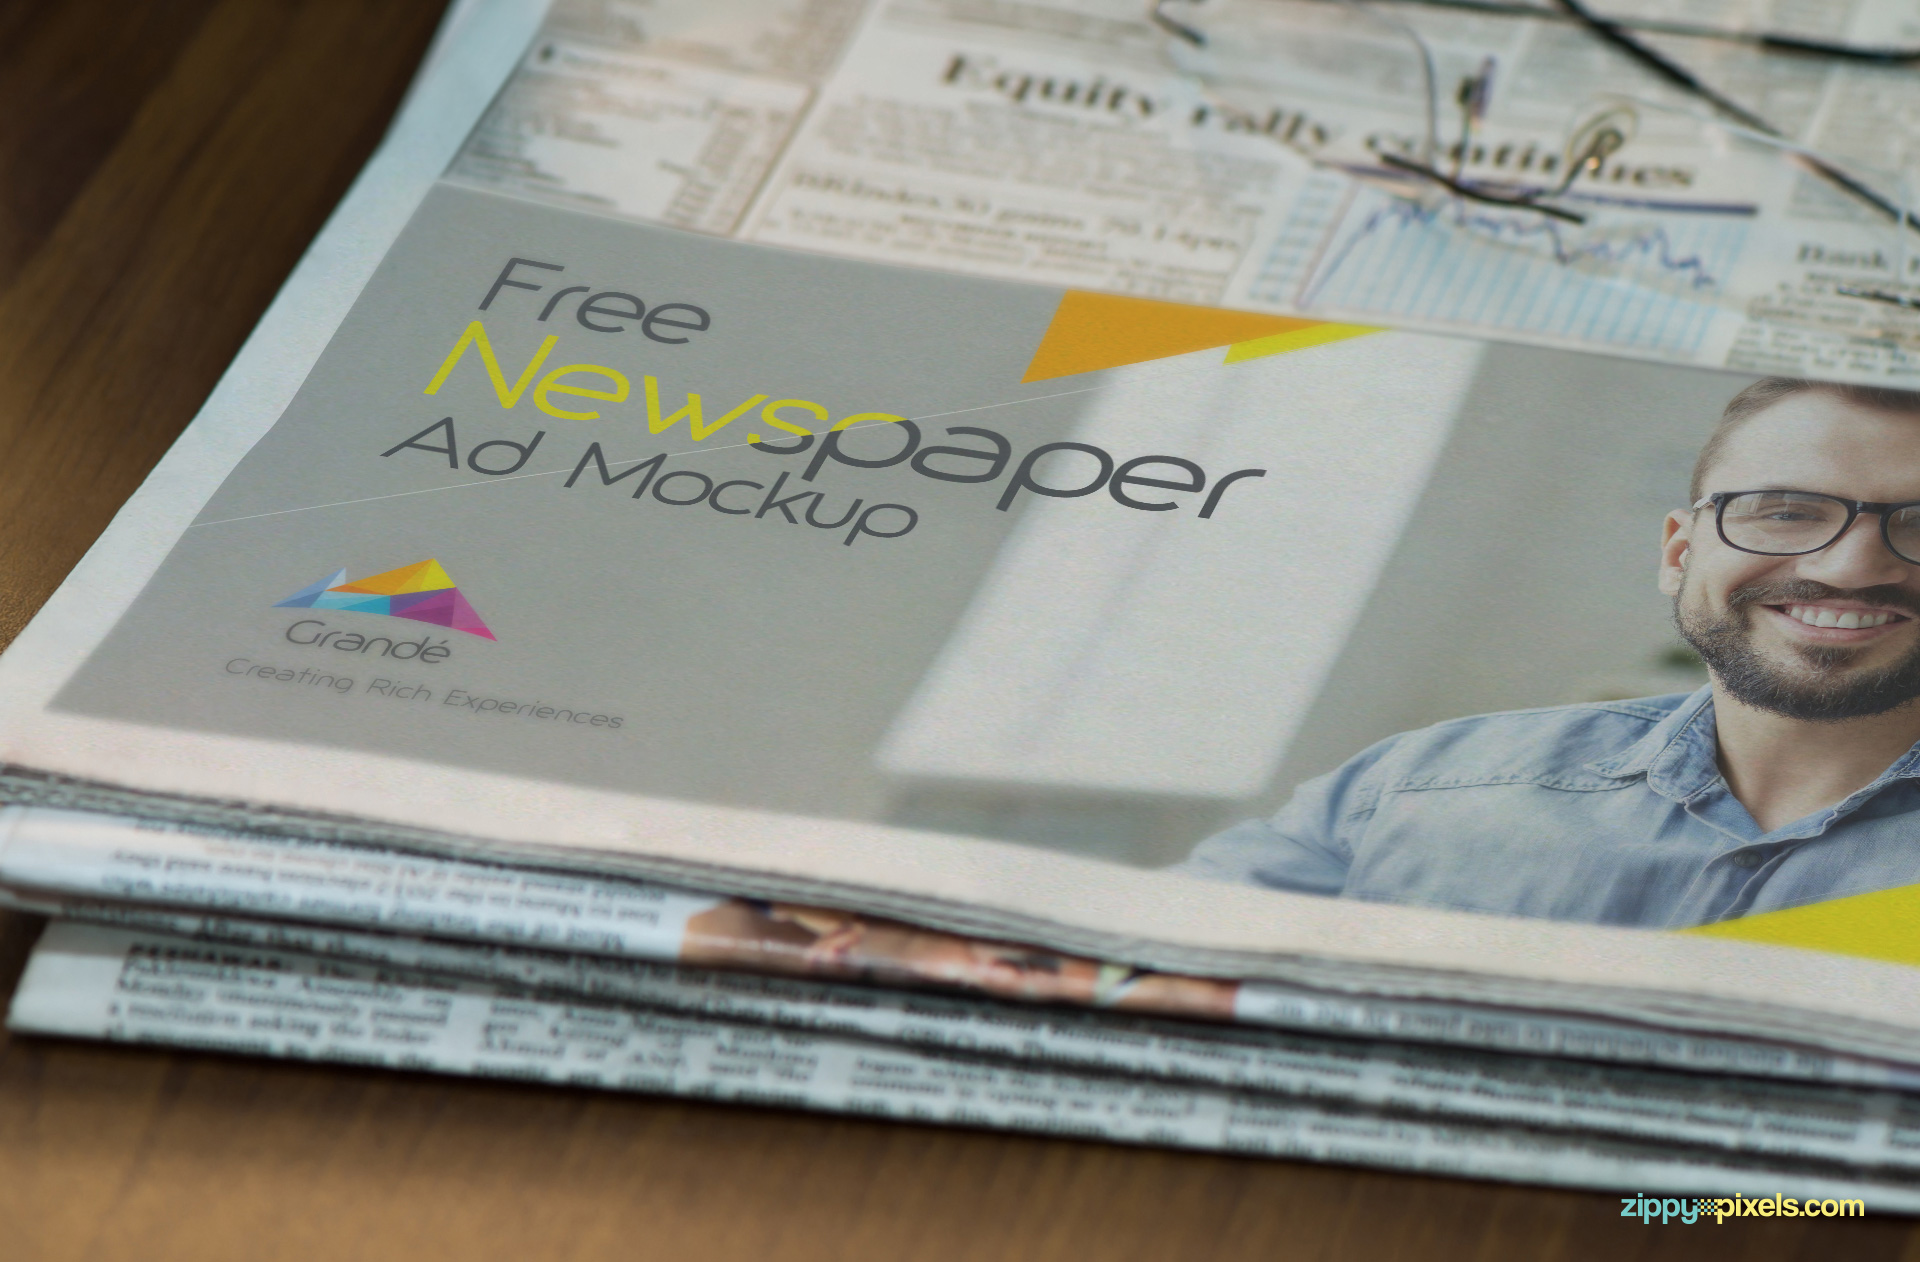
pixel 1768 391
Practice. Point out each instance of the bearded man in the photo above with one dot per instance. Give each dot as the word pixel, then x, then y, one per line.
pixel 1792 777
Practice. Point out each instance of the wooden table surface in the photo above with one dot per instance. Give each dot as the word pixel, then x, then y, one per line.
pixel 162 165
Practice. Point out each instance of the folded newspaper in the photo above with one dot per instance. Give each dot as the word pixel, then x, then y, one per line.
pixel 579 642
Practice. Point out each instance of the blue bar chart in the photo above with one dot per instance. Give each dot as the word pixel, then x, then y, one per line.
pixel 1637 281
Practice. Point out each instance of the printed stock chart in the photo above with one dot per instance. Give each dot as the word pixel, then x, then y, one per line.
pixel 1637 281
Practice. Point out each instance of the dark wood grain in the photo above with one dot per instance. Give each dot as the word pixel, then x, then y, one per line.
pixel 162 164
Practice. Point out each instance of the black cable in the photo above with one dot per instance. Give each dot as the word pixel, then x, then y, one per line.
pixel 1673 72
pixel 1821 48
pixel 1774 41
pixel 1195 37
pixel 1684 79
pixel 1878 295
pixel 1520 201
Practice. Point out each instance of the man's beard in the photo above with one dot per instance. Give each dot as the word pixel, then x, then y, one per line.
pixel 1828 692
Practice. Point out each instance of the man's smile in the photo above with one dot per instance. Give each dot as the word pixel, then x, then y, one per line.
pixel 1837 622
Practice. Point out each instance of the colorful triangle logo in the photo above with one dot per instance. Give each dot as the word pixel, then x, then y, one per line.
pixel 1093 331
pixel 421 592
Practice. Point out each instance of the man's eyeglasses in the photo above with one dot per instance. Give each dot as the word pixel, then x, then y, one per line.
pixel 1794 523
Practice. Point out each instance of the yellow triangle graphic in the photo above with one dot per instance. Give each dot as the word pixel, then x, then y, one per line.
pixel 1094 331
pixel 1884 925
pixel 421 576
pixel 1298 340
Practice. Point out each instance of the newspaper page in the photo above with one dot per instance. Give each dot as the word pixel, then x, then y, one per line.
pixel 1855 1127
pixel 95 868
pixel 91 982
pixel 1031 729
pixel 1250 163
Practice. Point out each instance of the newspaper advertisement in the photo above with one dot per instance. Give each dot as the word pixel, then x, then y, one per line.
pixel 1253 162
pixel 127 986
pixel 1226 631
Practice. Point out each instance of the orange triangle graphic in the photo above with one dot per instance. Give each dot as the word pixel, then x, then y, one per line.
pixel 1094 331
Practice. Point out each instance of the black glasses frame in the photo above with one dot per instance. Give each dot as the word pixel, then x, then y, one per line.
pixel 1885 511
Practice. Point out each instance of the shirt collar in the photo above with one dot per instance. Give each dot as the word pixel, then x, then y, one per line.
pixel 1677 756
pixel 1680 756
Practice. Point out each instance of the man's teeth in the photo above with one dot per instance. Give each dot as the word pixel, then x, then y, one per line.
pixel 1846 620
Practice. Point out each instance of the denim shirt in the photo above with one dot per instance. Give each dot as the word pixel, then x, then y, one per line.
pixel 1614 813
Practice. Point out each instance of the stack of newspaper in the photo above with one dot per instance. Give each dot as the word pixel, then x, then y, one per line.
pixel 935 560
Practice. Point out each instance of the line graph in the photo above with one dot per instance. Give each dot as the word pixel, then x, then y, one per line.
pixel 1626 280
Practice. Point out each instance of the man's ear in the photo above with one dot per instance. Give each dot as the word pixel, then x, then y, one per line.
pixel 1676 537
